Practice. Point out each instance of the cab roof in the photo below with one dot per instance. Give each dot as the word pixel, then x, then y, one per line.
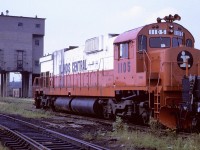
pixel 128 35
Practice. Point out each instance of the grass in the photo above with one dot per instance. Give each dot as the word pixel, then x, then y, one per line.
pixel 154 140
pixel 2 147
pixel 88 136
pixel 23 107
pixel 151 141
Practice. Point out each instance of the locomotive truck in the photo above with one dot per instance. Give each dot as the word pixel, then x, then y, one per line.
pixel 150 71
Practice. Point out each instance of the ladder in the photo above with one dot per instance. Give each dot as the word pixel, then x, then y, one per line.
pixel 157 102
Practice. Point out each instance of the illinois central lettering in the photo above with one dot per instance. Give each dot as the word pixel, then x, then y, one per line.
pixel 78 66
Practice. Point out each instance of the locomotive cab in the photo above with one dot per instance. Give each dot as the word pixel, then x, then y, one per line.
pixel 152 61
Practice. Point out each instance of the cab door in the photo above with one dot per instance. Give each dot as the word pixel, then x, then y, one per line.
pixel 124 64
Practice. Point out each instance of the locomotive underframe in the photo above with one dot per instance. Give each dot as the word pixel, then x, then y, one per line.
pixel 130 105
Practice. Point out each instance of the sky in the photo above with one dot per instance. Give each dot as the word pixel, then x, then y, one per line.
pixel 71 22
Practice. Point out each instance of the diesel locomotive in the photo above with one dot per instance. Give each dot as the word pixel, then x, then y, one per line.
pixel 150 71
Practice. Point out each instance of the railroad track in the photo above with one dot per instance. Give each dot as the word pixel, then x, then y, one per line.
pixel 18 134
pixel 132 126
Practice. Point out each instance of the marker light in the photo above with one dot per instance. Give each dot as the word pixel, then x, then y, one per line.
pixel 171 31
pixel 171 26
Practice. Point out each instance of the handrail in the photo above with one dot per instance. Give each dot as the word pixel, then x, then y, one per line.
pixel 158 83
pixel 149 68
pixel 36 81
pixel 144 51
pixel 159 76
pixel 198 68
pixel 186 70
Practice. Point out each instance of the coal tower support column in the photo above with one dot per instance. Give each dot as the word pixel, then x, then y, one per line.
pixel 26 84
pixel 4 84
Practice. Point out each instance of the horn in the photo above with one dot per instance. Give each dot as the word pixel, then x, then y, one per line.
pixel 177 17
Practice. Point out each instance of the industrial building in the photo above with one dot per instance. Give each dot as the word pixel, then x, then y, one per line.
pixel 21 46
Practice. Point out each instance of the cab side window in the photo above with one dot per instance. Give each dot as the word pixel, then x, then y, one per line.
pixel 142 42
pixel 189 43
pixel 123 50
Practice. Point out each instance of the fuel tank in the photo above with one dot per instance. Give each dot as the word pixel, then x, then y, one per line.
pixel 63 103
pixel 89 106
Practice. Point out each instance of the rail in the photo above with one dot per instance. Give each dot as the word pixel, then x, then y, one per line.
pixel 14 140
pixel 36 137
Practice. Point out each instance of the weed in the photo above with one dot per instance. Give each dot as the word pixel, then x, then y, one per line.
pixel 153 139
pixel 88 136
pixel 119 125
pixel 3 147
pixel 155 125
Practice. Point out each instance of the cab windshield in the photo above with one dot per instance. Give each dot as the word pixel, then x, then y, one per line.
pixel 176 41
pixel 162 42
pixel 159 42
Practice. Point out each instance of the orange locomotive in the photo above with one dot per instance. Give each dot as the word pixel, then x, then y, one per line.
pixel 148 71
